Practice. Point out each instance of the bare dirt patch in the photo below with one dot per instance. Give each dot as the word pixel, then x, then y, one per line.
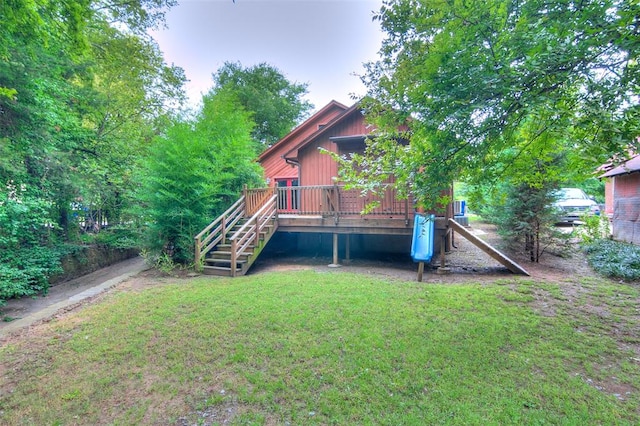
pixel 465 262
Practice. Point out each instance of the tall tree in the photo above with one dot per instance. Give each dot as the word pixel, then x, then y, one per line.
pixel 276 104
pixel 82 87
pixel 464 76
pixel 194 172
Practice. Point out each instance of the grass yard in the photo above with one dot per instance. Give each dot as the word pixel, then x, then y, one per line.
pixel 333 348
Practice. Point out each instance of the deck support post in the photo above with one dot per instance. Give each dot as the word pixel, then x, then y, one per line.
pixel 347 249
pixel 335 263
pixel 443 269
pixel 420 271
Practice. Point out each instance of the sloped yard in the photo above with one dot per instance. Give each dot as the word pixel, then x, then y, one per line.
pixel 320 346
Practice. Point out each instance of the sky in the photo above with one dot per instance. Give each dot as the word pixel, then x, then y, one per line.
pixel 320 42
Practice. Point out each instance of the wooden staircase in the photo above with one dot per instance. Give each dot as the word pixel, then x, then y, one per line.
pixel 229 245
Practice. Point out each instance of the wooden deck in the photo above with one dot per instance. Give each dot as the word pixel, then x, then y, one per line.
pixel 336 209
pixel 232 242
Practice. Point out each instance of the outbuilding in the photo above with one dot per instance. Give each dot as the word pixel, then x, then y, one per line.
pixel 622 200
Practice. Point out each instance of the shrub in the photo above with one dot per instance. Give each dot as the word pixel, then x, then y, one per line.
pixel 26 240
pixel 194 173
pixel 594 228
pixel 120 237
pixel 26 272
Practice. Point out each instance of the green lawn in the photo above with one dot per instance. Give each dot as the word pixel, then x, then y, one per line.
pixel 334 348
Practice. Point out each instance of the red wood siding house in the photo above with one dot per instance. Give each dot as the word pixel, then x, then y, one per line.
pixel 315 167
pixel 622 199
pixel 319 203
pixel 308 208
pixel 276 168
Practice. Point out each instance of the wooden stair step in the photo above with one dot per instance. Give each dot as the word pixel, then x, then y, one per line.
pixel 238 262
pixel 228 247
pixel 218 254
pixel 219 270
pixel 261 235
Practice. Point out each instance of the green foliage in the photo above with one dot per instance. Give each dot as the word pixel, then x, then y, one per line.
pixel 26 256
pixel 120 237
pixel 614 259
pixel 83 89
pixel 526 219
pixel 26 271
pixel 593 187
pixel 75 122
pixel 194 173
pixel 522 204
pixel 163 262
pixel 25 219
pixel 594 228
pixel 467 78
pixel 275 103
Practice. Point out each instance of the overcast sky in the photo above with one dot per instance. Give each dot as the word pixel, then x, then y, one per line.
pixel 319 42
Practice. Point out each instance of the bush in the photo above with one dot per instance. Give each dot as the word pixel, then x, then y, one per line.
pixel 194 173
pixel 120 237
pixel 614 259
pixel 26 240
pixel 594 228
pixel 26 272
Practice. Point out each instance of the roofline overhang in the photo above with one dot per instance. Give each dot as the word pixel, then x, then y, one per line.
pixel 326 128
pixel 630 166
pixel 331 104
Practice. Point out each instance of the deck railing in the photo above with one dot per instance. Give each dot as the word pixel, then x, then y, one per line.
pixel 335 200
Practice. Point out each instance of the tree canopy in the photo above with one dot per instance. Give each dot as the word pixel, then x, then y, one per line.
pixel 83 89
pixel 475 79
pixel 275 103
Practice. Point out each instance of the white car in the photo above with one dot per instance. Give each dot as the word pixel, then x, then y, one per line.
pixel 574 203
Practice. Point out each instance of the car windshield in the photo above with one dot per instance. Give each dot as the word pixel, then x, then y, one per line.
pixel 572 194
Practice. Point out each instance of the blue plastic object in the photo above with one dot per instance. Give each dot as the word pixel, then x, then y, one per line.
pixel 422 242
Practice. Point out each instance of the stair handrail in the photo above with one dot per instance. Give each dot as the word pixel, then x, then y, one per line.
pixel 223 223
pixel 250 231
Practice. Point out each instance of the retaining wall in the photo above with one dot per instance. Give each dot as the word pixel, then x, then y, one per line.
pixel 90 259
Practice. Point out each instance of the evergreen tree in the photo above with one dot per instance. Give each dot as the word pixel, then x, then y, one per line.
pixel 194 172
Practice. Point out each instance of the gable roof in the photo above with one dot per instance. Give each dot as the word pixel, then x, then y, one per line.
pixel 315 120
pixel 292 154
pixel 630 166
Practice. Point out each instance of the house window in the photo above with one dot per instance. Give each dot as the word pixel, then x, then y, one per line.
pixel 287 194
